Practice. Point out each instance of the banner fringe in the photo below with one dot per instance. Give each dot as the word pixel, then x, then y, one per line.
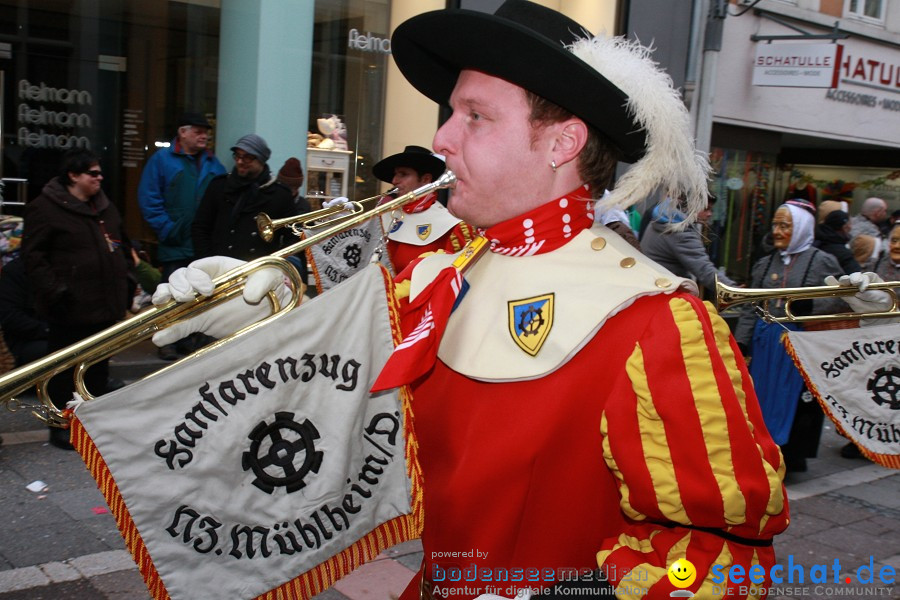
pixel 319 578
pixel 310 260
pixel 100 472
pixel 891 461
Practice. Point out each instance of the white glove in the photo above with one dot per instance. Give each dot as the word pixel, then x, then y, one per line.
pixel 863 301
pixel 337 201
pixel 223 320
pixel 859 279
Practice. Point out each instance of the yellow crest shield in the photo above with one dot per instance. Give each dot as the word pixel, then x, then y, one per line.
pixel 530 321
pixel 423 231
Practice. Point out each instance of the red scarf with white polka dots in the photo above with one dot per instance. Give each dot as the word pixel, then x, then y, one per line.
pixel 545 228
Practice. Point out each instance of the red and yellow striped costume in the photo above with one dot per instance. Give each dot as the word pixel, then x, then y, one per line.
pixel 646 446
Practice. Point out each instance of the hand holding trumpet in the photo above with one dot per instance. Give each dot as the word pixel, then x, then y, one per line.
pixel 865 300
pixel 196 279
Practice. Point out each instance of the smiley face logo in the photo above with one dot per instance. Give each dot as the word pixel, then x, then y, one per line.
pixel 682 573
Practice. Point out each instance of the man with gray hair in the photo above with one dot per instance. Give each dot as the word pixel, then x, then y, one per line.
pixel 868 222
pixel 172 184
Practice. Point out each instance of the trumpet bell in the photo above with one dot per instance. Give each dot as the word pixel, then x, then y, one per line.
pixel 266 227
pixel 315 219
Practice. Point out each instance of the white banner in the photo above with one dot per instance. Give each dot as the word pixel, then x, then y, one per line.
pixel 338 258
pixel 797 65
pixel 250 465
pixel 855 374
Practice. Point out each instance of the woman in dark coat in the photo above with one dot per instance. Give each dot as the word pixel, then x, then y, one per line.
pixel 832 236
pixel 75 255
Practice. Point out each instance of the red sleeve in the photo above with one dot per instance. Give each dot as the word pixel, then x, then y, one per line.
pixel 699 476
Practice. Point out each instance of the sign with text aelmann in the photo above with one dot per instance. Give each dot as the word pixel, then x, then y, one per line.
pixel 263 466
pixel 797 65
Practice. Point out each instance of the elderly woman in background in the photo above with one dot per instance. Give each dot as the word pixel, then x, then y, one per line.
pixel 795 423
pixel 888 266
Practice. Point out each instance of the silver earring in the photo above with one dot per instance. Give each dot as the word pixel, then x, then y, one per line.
pixel 553 165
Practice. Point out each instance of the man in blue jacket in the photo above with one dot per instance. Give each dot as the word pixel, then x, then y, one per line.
pixel 172 184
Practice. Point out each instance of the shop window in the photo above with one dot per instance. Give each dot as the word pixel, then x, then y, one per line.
pixel 51 21
pixel 744 183
pixel 866 10
pixel 109 75
pixel 8 19
pixel 351 50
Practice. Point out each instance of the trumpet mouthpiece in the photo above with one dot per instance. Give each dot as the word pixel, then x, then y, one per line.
pixel 447 180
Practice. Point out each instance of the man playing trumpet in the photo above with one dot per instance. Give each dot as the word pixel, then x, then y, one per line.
pixel 581 409
pixel 424 225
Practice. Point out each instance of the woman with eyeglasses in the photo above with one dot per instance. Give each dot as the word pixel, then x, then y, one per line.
pixel 76 260
pixel 792 415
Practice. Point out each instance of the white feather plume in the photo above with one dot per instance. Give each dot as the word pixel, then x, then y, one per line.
pixel 671 162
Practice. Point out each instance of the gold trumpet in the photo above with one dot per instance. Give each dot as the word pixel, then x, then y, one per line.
pixel 727 296
pixel 127 333
pixel 312 220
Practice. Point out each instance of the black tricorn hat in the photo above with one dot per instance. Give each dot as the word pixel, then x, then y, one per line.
pixel 528 48
pixel 415 157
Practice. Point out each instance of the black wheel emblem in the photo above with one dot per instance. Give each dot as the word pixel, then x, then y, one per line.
pixel 531 321
pixel 353 254
pixel 885 387
pixel 282 453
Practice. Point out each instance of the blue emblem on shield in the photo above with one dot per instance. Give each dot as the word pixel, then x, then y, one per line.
pixel 530 321
pixel 423 231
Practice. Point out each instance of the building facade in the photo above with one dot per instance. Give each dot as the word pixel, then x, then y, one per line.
pixel 806 97
pixel 113 76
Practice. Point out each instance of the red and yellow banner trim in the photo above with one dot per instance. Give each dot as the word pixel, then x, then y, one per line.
pixel 891 461
pixel 317 579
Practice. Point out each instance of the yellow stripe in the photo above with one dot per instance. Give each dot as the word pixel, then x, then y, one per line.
pixel 708 589
pixel 646 575
pixel 774 476
pixel 708 400
pixel 401 289
pixel 654 443
pixel 614 468
pixel 678 549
